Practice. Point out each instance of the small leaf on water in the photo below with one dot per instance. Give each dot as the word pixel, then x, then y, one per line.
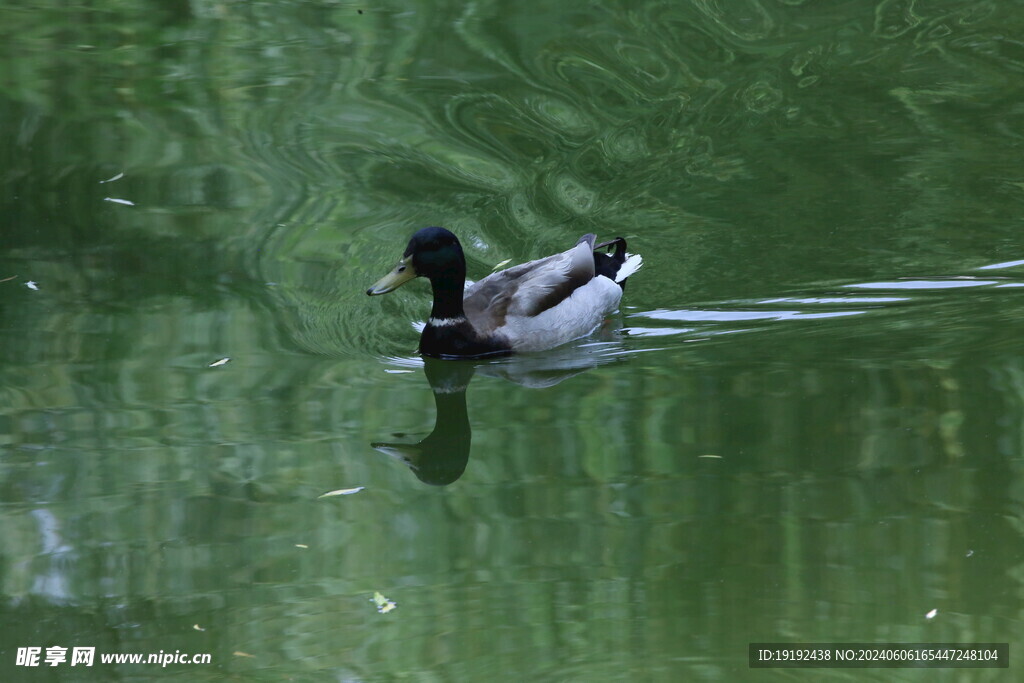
pixel 499 265
pixel 197 627
pixel 383 604
pixel 342 492
pixel 239 653
pixel 301 545
pixel 8 279
pixel 110 180
pixel 119 201
pixel 931 615
pixel 218 363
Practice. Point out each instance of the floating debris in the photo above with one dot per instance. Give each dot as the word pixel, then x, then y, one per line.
pixel 8 279
pixel 32 285
pixel 301 545
pixel 197 627
pixel 499 265
pixel 110 180
pixel 398 372
pixel 383 604
pixel 969 553
pixel 119 201
pixel 218 363
pixel 342 492
pixel 931 615
pixel 239 653
pixel 709 455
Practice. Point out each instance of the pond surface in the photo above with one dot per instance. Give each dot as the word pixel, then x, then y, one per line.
pixel 806 423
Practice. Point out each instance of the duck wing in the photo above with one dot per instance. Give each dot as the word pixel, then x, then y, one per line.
pixel 530 288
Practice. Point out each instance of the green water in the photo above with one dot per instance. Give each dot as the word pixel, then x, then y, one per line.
pixel 806 423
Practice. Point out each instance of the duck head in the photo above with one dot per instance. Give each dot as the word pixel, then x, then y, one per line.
pixel 434 253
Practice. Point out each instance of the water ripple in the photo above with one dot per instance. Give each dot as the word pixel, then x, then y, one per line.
pixel 925 284
pixel 734 138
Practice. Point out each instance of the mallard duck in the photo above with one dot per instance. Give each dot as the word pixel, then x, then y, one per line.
pixel 529 307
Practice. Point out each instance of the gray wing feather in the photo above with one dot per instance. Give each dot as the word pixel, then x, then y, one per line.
pixel 530 288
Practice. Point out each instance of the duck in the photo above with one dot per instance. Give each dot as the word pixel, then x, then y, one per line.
pixel 531 307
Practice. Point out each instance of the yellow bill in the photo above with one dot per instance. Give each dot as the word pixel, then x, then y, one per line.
pixel 402 273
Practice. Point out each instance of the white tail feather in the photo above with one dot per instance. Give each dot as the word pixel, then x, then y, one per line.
pixel 629 266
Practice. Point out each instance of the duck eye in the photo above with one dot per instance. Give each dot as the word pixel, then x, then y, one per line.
pixel 401 269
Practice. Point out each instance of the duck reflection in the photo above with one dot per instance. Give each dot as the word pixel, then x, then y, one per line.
pixel 441 457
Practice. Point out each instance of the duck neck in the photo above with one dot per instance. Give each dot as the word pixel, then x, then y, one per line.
pixel 448 292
